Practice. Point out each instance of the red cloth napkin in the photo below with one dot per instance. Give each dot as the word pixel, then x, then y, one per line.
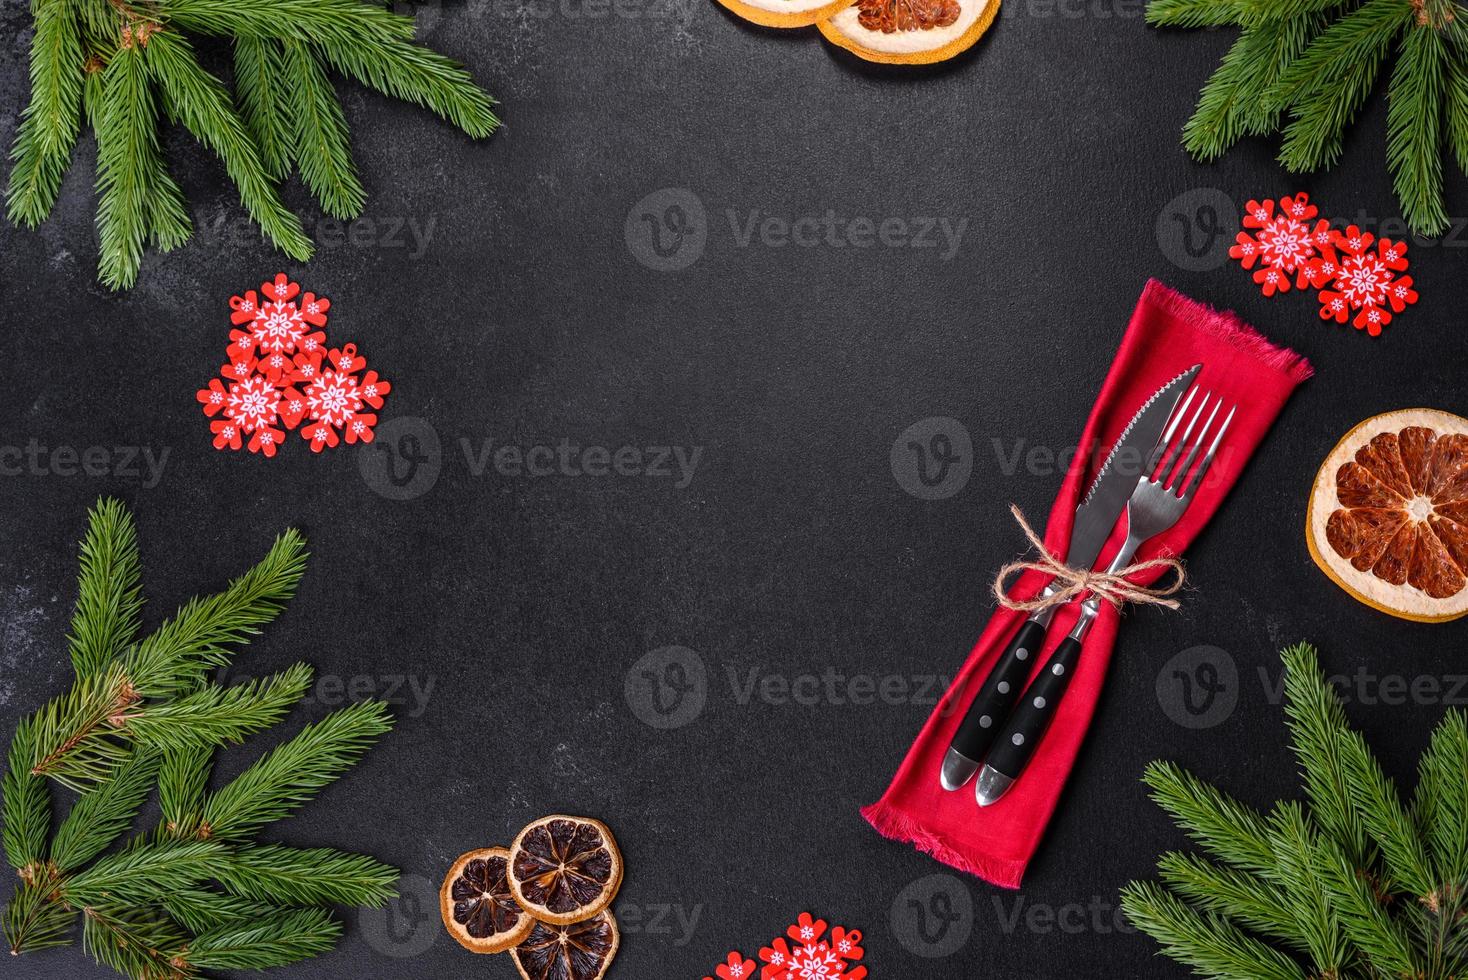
pixel 1168 334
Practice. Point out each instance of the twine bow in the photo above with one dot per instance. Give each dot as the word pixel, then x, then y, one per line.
pixel 1114 587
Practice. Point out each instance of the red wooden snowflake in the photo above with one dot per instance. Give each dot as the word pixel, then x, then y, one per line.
pixel 809 954
pixel 280 372
pixel 1282 241
pixel 1362 279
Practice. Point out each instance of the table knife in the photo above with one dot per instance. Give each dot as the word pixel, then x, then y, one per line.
pixel 1096 516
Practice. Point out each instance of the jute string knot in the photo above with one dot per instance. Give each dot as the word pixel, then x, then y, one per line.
pixel 1071 583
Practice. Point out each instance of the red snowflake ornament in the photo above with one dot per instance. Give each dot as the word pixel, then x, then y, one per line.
pixel 281 373
pixel 813 958
pixel 1282 242
pixel 736 967
pixel 1364 280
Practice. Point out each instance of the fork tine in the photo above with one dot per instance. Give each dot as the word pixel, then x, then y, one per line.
pixel 1175 448
pixel 1166 440
pixel 1208 458
pixel 1181 476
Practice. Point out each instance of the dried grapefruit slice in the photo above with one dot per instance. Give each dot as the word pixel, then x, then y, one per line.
pixel 579 951
pixel 1388 517
pixel 565 869
pixel 909 32
pixel 785 13
pixel 477 906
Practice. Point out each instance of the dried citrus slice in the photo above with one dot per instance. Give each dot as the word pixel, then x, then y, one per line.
pixel 579 951
pixel 565 869
pixel 785 13
pixel 477 906
pixel 909 32
pixel 1388 517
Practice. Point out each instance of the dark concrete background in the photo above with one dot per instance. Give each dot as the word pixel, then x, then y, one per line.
pixel 520 605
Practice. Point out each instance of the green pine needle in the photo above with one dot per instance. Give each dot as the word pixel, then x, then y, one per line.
pixel 291 774
pixel 137 942
pixel 322 150
pixel 1415 103
pixel 307 876
pixel 420 76
pixel 202 104
pixel 102 815
pixel 200 910
pixel 109 599
pixel 1316 923
pixel 27 801
pixel 339 21
pixel 259 944
pixel 128 158
pixel 1457 93
pixel 51 120
pixel 217 715
pixel 139 874
pixel 1208 943
pixel 1233 832
pixel 263 88
pixel 1441 802
pixel 201 635
pixel 1255 903
pixel 1193 13
pixel 34 922
pixel 182 782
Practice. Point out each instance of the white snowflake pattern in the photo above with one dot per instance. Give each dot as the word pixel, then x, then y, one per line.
pixel 277 327
pixel 333 398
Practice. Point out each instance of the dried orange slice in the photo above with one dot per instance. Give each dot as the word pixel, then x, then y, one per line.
pixel 477 906
pixel 909 32
pixel 1388 517
pixel 785 13
pixel 579 951
pixel 565 869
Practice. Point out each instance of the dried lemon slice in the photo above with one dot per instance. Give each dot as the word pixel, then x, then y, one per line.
pixel 579 951
pixel 476 903
pixel 1388 517
pixel 909 32
pixel 565 869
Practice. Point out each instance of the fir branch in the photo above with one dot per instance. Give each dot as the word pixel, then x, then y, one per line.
pixel 74 742
pixel 1208 943
pixel 1217 123
pixel 1222 825
pixel 1295 849
pixel 1194 13
pixel 34 920
pixel 290 774
pixel 349 22
pixel 1368 924
pixel 1265 12
pixel 169 224
pixel 285 937
pixel 199 910
pixel 51 120
pixel 1274 46
pixel 127 160
pixel 1440 805
pixel 109 600
pixel 1315 719
pixel 27 805
pixel 1414 118
pixel 307 876
pixel 200 102
pixel 1325 86
pixel 182 782
pixel 138 943
pixel 199 636
pixel 260 82
pixel 1246 898
pixel 1457 93
pixel 216 715
pixel 323 153
pixel 101 815
pixel 143 873
pixel 418 75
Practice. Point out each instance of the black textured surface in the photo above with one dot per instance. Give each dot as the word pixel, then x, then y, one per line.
pixel 525 602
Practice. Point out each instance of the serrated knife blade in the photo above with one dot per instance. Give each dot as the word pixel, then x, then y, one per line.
pixel 1101 508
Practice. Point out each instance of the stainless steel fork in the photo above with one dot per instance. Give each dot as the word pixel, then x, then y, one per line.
pixel 1167 486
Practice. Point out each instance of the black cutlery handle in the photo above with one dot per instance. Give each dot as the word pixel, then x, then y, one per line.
pixel 991 706
pixel 1032 717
